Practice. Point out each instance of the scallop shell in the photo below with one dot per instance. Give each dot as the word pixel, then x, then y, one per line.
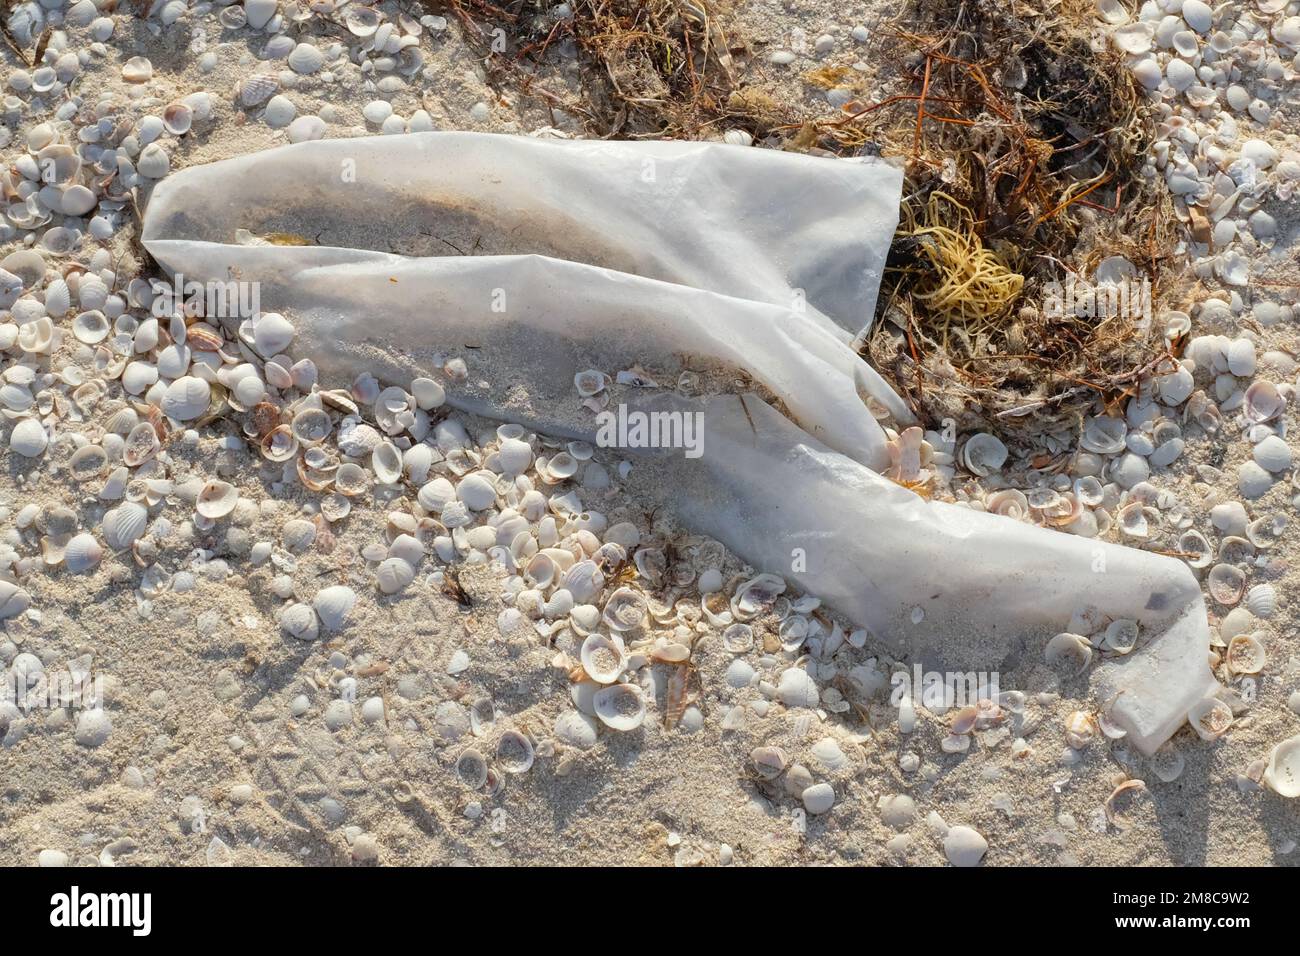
pixel 257 89
pixel 333 604
pixel 1282 775
pixel 82 553
pixel 216 499
pixel 620 706
pixel 1226 584
pixel 625 610
pixel 124 524
pixel 983 454
pixel 1210 718
pixel 299 620
pixel 306 58
pixel 1246 654
pixel 514 752
pixel 13 600
pixel 603 658
pixel 186 398
pixel 393 575
pixel 1072 650
pixel 1261 600
pixel 584 581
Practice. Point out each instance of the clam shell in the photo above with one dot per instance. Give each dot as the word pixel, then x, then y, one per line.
pixel 1167 763
pixel 216 499
pixel 1069 650
pixel 257 89
pixel 1210 718
pixel 312 425
pixel 28 438
pixel 386 462
pixel 13 600
pixel 306 58
pixel 82 553
pixel 299 620
pixel 333 604
pixel 124 524
pixel 514 752
pixel 620 706
pixel 1261 600
pixel 1121 636
pixel 1282 775
pixel 472 769
pixel 1246 654
pixel 87 462
pixel 178 118
pixel 393 575
pixel 625 610
pixel 351 479
pixel 983 454
pixel 1226 584
pixel 141 445
pixel 186 398
pixel 279 444
pixel 603 658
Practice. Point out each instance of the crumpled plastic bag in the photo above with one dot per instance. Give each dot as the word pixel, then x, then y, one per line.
pixel 535 259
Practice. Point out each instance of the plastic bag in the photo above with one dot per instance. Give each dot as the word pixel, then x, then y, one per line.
pixel 536 259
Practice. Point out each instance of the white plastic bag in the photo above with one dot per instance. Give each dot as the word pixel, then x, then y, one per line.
pixel 604 255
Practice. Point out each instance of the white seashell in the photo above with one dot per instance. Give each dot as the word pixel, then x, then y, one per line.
pixel 279 112
pixel 1069 650
pixel 514 752
pixel 13 601
pixel 1226 583
pixel 82 553
pixel 1272 454
pixel 1167 763
pixel 796 688
pixel 306 58
pixel 428 394
pixel 154 162
pixel 137 69
pixel 272 334
pixel 178 118
pixel 1246 654
pixel 363 21
pixel 477 490
pixel 124 525
pixel 1261 600
pixel 590 382
pixel 1198 15
pixel 983 454
pixel 1263 403
pixel 1210 718
pixel 216 499
pixel 620 706
pixel 393 575
pixel 576 729
pixel 1105 436
pixel 333 604
pixel 58 299
pixel 259 12
pixel 299 620
pixel 584 581
pixel 1282 775
pixel 1133 37
pixel 625 610
pixel 514 456
pixel 1121 636
pixel 257 89
pixel 186 398
pixel 28 438
pixel 603 658
pixel 386 462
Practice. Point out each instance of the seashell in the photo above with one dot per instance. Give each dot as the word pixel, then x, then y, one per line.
pixel 738 638
pixel 58 299
pixel 756 596
pixel 186 398
pixel 1226 584
pixel 768 762
pixel 351 479
pixel 28 438
pixel 561 467
pixel 1167 763
pixel 1121 636
pixel 137 69
pixel 620 706
pixel 124 524
pixel 333 604
pixel 37 336
pixel 1263 403
pixel 1282 775
pixel 178 118
pixel 13 601
pixel 82 553
pixel 576 729
pixel 216 499
pixel 87 462
pixel 514 752
pixel 1210 718
pixel 394 574
pixel 386 462
pixel 254 91
pixel 590 382
pixel 363 21
pixel 204 338
pixel 584 581
pixel 1272 454
pixel 477 490
pixel 1196 549
pixel 983 454
pixel 1261 600
pixel 1069 650
pixel 1246 654
pixel 272 334
pixel 279 444
pixel 1133 521
pixel 1104 436
pixel 299 620
pixel 1080 728
pixel 625 610
pixel 335 507
pixel 603 658
pixel 305 58
pixel 1133 37
pixel 153 162
pixel 312 425
pixel 1109 806
pixel 141 445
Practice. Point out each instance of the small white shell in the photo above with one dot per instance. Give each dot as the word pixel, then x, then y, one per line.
pixel 257 89
pixel 1282 775
pixel 1072 650
pixel 393 575
pixel 625 610
pixel 983 454
pixel 13 600
pixel 1261 600
pixel 386 462
pixel 1167 763
pixel 1210 718
pixel 306 58
pixel 141 445
pixel 82 553
pixel 1246 654
pixel 620 706
pixel 28 438
pixel 1226 584
pixel 124 524
pixel 216 499
pixel 590 382
pixel 299 620
pixel 333 604
pixel 186 398
pixel 603 658
pixel 514 752
pixel 1121 636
